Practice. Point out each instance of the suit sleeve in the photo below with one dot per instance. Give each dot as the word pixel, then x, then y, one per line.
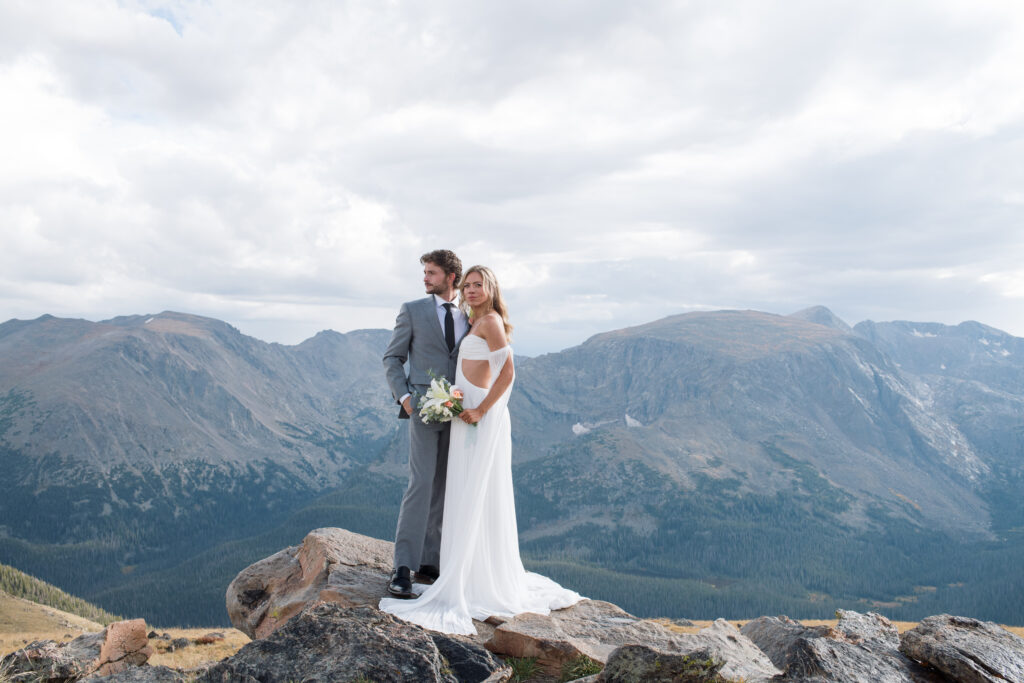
pixel 397 352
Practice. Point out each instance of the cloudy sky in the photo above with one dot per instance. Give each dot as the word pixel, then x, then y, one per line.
pixel 282 166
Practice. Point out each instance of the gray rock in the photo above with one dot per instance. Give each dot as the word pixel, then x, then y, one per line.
pixel 466 658
pixel 861 648
pixel 633 663
pixel 590 627
pixel 327 641
pixel 179 644
pixel 596 629
pixel 967 650
pixel 776 636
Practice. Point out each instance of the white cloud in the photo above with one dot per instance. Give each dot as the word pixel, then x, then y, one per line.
pixel 281 165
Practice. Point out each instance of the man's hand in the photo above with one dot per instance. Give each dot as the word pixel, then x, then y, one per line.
pixel 407 405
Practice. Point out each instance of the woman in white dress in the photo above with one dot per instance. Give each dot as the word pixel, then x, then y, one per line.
pixel 481 572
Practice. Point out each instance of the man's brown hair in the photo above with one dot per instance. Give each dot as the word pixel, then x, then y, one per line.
pixel 446 260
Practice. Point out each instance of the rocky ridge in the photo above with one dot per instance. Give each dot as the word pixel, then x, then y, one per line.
pixel 312 611
pixel 326 569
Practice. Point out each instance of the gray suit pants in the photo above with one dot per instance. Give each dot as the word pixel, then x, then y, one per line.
pixel 418 536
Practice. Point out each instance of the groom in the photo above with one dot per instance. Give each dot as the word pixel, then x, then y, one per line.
pixel 427 335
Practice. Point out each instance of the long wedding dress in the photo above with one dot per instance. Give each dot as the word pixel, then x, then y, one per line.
pixel 481 572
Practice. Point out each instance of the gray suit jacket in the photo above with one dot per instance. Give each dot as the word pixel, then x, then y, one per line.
pixel 418 339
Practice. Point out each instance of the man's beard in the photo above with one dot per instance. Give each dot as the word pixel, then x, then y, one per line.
pixel 437 289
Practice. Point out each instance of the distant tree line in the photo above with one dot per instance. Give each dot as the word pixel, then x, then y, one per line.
pixel 21 585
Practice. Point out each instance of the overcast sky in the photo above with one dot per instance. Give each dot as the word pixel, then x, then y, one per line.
pixel 281 166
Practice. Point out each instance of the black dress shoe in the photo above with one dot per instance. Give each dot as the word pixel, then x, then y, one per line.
pixel 401 583
pixel 428 571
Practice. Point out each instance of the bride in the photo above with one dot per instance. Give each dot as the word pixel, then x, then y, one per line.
pixel 481 572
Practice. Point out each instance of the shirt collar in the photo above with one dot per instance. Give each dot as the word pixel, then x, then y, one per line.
pixel 439 301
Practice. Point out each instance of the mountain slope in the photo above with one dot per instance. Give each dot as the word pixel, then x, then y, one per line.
pixel 131 443
pixel 732 462
pixel 747 396
pixel 974 376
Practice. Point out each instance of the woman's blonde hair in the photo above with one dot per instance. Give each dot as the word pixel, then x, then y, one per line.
pixel 492 289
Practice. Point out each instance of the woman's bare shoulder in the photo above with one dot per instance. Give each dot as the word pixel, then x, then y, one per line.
pixel 492 329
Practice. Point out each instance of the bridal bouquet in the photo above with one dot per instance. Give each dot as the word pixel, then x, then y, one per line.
pixel 441 403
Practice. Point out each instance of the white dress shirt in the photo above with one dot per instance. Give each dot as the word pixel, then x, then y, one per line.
pixel 461 324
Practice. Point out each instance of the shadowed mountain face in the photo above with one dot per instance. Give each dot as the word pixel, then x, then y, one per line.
pixel 974 374
pixel 740 461
pixel 172 416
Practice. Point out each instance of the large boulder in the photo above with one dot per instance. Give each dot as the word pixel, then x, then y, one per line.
pixel 332 565
pixel 967 650
pixel 328 642
pixel 861 648
pixel 120 645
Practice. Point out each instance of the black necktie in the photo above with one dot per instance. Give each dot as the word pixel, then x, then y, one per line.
pixel 449 327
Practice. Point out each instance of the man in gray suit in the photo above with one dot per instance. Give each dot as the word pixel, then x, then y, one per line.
pixel 427 335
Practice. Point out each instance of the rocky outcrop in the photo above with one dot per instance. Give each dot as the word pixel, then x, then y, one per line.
pixel 121 645
pixel 328 641
pixel 860 648
pixel 967 650
pixel 335 579
pixel 333 565
pixel 338 566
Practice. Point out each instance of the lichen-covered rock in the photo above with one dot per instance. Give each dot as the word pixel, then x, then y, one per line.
pixel 967 650
pixel 741 659
pixel 467 659
pixel 120 645
pixel 48 660
pixel 590 627
pixel 328 641
pixel 633 663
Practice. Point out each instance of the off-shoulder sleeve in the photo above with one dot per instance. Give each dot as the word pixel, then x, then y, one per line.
pixel 497 358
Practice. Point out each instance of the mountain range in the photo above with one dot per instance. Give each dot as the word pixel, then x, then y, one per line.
pixel 706 464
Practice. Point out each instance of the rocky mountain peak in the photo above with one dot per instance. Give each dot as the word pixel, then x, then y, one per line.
pixel 742 335
pixel 822 316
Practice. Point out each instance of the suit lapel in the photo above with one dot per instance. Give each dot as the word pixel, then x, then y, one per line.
pixel 430 319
